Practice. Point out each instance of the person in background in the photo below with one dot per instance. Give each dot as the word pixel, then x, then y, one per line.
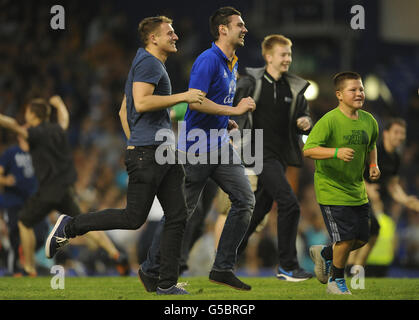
pixel 388 188
pixel 54 170
pixel 18 182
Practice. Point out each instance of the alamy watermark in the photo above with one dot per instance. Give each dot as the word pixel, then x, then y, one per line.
pixel 198 147
pixel 58 280
pixel 57 21
pixel 358 20
pixel 358 278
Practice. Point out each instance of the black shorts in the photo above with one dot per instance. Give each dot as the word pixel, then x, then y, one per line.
pixel 347 222
pixel 40 229
pixel 37 208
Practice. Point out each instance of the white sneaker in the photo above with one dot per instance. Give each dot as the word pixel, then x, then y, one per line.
pixel 321 266
pixel 337 286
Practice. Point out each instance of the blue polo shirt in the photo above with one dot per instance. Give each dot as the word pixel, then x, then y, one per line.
pixel 18 163
pixel 214 74
pixel 144 125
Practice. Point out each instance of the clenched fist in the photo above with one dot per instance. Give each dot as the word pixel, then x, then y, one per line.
pixel 194 96
pixel 346 154
pixel 245 104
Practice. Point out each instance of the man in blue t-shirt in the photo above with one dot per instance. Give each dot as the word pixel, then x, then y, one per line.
pixel 144 113
pixel 215 73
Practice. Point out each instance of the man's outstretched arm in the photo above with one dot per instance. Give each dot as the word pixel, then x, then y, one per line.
pixel 11 124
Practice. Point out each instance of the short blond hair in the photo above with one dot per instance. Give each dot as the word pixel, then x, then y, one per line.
pixel 270 41
pixel 150 25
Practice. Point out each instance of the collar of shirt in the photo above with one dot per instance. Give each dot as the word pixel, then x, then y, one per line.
pixel 270 79
pixel 230 63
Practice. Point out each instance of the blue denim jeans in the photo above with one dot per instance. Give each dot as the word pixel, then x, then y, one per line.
pixel 231 178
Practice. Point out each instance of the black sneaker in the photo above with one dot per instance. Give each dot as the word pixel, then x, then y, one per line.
pixel 149 283
pixel 229 279
pixel 293 275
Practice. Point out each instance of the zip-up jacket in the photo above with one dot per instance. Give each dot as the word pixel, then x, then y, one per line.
pixel 250 85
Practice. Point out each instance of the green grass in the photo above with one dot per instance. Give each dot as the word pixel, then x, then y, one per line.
pixel 129 288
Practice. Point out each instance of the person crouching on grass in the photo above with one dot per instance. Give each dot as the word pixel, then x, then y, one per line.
pixel 341 143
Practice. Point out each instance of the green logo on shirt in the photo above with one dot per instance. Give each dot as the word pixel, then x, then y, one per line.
pixel 357 137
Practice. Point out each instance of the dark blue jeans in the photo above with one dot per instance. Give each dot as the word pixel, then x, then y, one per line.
pixel 147 179
pixel 196 224
pixel 232 180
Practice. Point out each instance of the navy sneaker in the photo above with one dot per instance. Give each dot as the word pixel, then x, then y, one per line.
pixel 293 275
pixel 176 289
pixel 57 239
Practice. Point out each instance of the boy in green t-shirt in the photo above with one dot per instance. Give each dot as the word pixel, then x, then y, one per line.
pixel 341 143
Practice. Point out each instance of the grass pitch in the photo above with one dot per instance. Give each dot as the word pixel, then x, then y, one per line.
pixel 130 288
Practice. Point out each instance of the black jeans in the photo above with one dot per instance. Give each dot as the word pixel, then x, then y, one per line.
pixel 273 185
pixel 147 179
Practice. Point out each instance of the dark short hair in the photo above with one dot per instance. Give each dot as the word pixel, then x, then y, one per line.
pixel 392 121
pixel 41 108
pixel 149 25
pixel 340 77
pixel 221 17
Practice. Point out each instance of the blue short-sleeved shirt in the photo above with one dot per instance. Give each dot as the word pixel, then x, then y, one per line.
pixel 18 163
pixel 214 74
pixel 144 126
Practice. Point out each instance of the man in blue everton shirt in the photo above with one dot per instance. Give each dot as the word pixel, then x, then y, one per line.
pixel 214 73
pixel 144 112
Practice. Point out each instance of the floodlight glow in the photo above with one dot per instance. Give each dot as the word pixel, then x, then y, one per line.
pixel 312 91
pixel 372 87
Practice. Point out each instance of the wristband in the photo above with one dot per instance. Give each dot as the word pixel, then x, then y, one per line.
pixel 335 156
pixel 373 165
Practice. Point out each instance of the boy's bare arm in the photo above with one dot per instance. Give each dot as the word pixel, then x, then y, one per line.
pixel 373 163
pixel 321 153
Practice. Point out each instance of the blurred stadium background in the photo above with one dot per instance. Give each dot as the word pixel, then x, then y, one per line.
pixel 87 64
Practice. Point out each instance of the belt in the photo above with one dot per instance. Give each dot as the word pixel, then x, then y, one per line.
pixel 152 147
